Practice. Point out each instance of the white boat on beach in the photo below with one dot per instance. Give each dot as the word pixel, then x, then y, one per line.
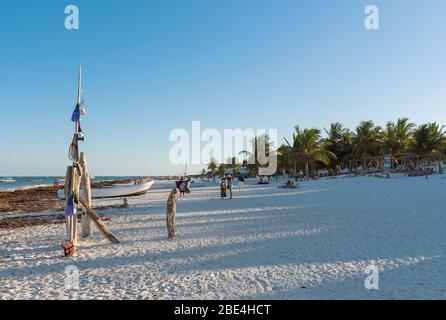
pixel 115 191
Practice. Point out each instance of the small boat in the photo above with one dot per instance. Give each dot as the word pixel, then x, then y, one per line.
pixel 115 191
pixel 7 180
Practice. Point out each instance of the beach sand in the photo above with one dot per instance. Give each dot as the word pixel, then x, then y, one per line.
pixel 313 242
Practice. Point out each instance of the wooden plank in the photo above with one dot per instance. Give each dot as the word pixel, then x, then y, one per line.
pixel 97 221
pixel 87 222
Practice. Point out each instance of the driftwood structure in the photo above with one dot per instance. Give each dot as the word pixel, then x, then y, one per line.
pixel 87 223
pixel 77 176
pixel 70 219
pixel 171 212
pixel 94 217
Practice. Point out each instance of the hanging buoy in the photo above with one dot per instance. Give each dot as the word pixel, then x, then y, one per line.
pixel 80 133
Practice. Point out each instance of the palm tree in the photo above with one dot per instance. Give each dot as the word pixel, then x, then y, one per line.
pixel 389 138
pixel 338 142
pixel 396 137
pixel 403 132
pixel 347 140
pixel 307 146
pixel 284 158
pixel 367 140
pixel 428 138
pixel 251 161
pixel 222 169
pixel 212 167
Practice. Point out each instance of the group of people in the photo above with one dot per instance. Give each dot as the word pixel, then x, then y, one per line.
pixel 227 184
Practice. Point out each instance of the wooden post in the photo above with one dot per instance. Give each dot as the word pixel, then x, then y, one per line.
pixel 171 211
pixel 68 190
pixel 87 223
pixel 76 186
pixel 68 176
pixel 101 226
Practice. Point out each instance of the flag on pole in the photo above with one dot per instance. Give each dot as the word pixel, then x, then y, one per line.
pixel 76 116
pixel 69 209
pixel 83 111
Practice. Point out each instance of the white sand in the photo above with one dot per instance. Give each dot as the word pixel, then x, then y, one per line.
pixel 310 243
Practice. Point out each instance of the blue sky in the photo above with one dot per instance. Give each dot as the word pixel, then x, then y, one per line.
pixel 151 66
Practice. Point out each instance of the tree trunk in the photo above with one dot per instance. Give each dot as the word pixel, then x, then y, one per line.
pixel 295 168
pixel 171 211
pixel 363 167
pixel 307 171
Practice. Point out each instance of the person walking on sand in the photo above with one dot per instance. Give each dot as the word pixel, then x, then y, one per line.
pixel 223 189
pixel 230 186
pixel 241 182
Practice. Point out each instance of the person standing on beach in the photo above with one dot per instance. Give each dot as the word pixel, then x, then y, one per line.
pixel 230 186
pixel 241 182
pixel 223 189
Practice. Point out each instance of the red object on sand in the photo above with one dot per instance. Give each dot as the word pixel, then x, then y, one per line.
pixel 69 249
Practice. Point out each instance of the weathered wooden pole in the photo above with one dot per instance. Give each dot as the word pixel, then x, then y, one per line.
pixel 76 187
pixel 101 226
pixel 75 174
pixel 87 223
pixel 68 190
pixel 171 211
